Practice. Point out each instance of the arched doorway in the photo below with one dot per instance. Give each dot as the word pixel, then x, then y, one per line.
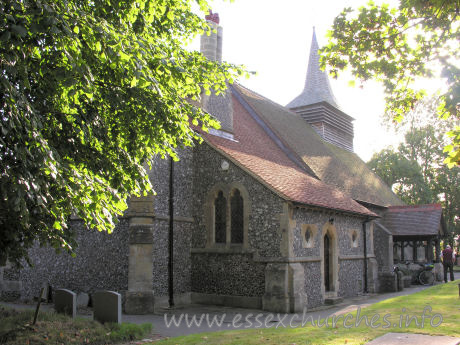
pixel 329 261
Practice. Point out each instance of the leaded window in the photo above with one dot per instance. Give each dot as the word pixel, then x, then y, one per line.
pixel 308 235
pixel 220 218
pixel 237 217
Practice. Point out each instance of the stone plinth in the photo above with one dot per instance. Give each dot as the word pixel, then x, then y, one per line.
pixel 139 297
pixel 388 282
pixel 139 302
pixel 284 292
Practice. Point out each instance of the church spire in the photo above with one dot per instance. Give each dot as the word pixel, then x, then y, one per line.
pixel 318 107
pixel 317 88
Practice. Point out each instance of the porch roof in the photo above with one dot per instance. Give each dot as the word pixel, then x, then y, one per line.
pixel 414 222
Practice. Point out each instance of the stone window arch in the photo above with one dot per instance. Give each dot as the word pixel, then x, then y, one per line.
pixel 227 208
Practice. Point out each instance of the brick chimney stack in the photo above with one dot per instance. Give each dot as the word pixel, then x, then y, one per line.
pixel 219 106
pixel 211 46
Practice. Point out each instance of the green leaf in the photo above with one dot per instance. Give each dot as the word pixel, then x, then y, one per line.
pixel 20 30
pixel 5 36
pixel 91 97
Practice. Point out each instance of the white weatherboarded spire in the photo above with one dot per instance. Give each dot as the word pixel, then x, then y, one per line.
pixel 317 88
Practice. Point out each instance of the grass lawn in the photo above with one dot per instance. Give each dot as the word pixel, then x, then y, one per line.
pixel 51 328
pixel 443 299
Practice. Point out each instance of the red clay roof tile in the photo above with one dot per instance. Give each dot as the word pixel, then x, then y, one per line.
pixel 257 153
pixel 414 220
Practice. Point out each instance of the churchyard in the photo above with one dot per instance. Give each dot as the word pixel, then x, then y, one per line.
pixel 433 311
pixel 406 311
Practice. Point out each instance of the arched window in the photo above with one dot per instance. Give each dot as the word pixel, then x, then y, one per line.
pixel 237 217
pixel 227 215
pixel 220 222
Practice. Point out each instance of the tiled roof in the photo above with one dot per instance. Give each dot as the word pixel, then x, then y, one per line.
pixel 254 151
pixel 414 220
pixel 336 167
pixel 317 88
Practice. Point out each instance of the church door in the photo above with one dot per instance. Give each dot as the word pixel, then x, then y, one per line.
pixel 327 262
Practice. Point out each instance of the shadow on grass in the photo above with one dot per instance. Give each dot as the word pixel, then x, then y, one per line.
pixel 16 329
pixel 440 302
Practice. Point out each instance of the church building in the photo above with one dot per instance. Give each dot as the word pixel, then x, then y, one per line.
pixel 273 211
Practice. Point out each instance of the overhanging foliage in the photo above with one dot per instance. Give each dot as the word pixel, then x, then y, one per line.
pixel 396 46
pixel 90 92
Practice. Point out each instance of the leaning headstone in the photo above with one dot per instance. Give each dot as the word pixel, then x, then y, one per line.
pixel 107 306
pixel 65 301
pixel 46 291
pixel 82 299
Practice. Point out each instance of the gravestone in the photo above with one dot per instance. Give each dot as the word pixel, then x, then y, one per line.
pixel 65 301
pixel 82 299
pixel 45 296
pixel 407 281
pixel 107 306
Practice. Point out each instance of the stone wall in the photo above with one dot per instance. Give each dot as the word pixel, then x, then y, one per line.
pixel 236 270
pixel 350 251
pixel 101 263
pixel 344 225
pixel 383 246
pixel 313 283
pixel 183 220
pixel 227 274
pixel 351 277
pixel 182 263
pixel 183 172
pixel 10 285
pixel 102 260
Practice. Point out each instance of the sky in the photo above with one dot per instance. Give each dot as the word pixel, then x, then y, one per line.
pixel 273 38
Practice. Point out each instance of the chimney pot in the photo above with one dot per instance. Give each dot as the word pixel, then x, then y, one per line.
pixel 213 17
